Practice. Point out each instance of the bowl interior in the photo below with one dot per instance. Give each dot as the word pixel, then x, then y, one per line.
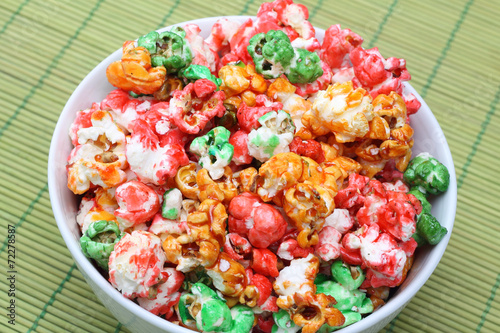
pixel 428 137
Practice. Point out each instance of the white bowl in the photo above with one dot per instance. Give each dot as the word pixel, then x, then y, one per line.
pixel 428 137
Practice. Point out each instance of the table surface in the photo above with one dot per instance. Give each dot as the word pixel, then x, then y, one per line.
pixel 452 51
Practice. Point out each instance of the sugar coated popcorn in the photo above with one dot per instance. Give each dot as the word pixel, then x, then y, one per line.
pixel 257 180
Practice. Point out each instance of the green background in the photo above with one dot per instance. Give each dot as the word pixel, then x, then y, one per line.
pixel 451 49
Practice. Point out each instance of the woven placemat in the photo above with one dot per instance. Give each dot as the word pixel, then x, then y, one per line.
pixel 452 50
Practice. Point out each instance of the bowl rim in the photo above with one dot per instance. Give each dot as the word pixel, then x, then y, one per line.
pixel 395 303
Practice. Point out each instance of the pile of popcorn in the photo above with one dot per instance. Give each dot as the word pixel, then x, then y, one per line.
pixel 255 180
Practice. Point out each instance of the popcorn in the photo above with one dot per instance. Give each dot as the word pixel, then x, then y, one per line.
pixel 341 109
pixel 190 112
pixel 202 53
pixel 380 253
pixel 135 71
pixel 137 203
pixel 124 108
pixel 148 159
pixel 169 49
pixel 273 137
pixel 298 154
pixel 214 151
pixel 135 264
pixel 201 244
pixel 99 158
pixel 167 294
pixel 228 276
pixel 261 223
pixel 336 46
pixel 96 206
pixel 296 278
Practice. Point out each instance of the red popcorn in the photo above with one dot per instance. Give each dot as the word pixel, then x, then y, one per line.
pixel 381 76
pixel 136 264
pixel 400 219
pixel 138 203
pixel 351 197
pixel 270 304
pixel 125 108
pixel 264 286
pixel 148 159
pixel 289 249
pixel 166 131
pixel 237 246
pixel 262 223
pixel 204 87
pixel 328 247
pixel 380 253
pixel 83 120
pixel 240 211
pixel 393 211
pixel 268 227
pixel 265 262
pixel 308 148
pixel 190 112
pixel 409 246
pixel 368 66
pixel 240 41
pixel 336 46
pixel 389 173
pixel 222 32
pixel 202 53
pixel 351 257
pixel 248 116
pixel 412 103
pixel 167 294
pixel 239 140
pixel 293 17
pixel 264 324
pixel 340 219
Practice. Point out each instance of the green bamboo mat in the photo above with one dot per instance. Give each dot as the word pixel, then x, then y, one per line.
pixel 452 51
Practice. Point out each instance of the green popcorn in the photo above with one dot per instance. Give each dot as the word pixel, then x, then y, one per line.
pixel 426 209
pixel 321 278
pixel 214 150
pixel 205 309
pixel 347 300
pixel 149 41
pixel 195 72
pixel 243 319
pixel 169 49
pixel 419 239
pixel 430 229
pixel 426 205
pixel 273 137
pixel 427 174
pixel 350 318
pixel 343 274
pixel 305 67
pixel 172 204
pixel 99 241
pixel 283 323
pixel 272 53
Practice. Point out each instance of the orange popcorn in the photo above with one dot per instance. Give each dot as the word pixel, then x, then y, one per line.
pixel 134 72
